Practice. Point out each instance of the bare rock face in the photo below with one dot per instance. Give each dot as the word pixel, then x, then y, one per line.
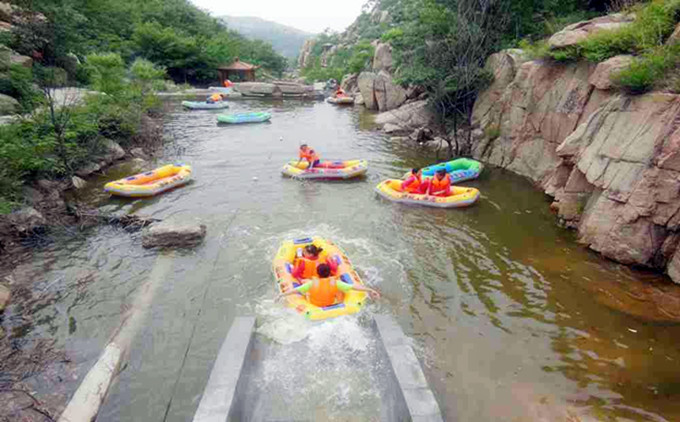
pixel 575 33
pixel 382 58
pixel 168 234
pixel 602 77
pixel 305 52
pixel 611 161
pixel 504 66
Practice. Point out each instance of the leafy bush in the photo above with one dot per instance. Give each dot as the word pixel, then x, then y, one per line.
pixel 647 70
pixel 18 83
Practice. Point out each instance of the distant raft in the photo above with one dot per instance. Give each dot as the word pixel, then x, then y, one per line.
pixel 255 117
pixel 202 105
pixel 326 169
pixel 341 100
pixel 460 169
pixel 152 182
pixel 460 196
pixel 284 260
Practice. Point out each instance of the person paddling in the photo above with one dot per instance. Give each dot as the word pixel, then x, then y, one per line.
pixel 308 154
pixel 326 290
pixel 440 185
pixel 214 98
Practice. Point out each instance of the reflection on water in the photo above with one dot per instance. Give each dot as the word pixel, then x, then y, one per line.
pixel 512 319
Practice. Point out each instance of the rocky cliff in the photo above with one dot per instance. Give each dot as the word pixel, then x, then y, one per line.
pixel 610 161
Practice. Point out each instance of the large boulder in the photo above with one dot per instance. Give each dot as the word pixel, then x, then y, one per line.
pixel 6 12
pixel 602 77
pixel 382 58
pixel 365 83
pixel 407 117
pixel 168 234
pixel 575 33
pixel 112 151
pixel 258 89
pixel 380 92
pixel 24 61
pixel 350 83
pixel 289 89
pixel 88 169
pixel 8 105
pixel 305 52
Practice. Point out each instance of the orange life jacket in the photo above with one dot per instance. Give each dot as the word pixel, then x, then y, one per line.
pixel 310 155
pixel 414 185
pixel 216 97
pixel 323 292
pixel 437 185
pixel 309 270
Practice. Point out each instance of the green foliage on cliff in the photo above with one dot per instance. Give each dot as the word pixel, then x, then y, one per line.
pixel 646 38
pixel 187 41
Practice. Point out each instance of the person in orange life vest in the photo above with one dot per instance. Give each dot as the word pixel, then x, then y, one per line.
pixel 415 183
pixel 327 290
pixel 214 98
pixel 306 263
pixel 227 83
pixel 440 185
pixel 339 92
pixel 306 153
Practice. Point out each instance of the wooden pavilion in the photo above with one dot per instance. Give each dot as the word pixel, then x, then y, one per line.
pixel 237 71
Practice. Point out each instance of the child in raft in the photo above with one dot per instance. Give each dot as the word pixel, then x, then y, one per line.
pixel 440 185
pixel 415 183
pixel 305 265
pixel 326 290
pixel 214 98
pixel 308 154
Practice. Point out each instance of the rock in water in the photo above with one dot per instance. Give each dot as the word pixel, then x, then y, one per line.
pixel 168 234
pixel 5 294
pixel 78 183
pixel 28 221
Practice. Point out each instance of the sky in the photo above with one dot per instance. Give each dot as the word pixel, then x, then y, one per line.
pixel 308 15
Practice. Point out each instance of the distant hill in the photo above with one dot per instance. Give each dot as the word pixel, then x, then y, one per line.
pixel 285 40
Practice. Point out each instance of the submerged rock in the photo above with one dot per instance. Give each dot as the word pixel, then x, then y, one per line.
pixel 173 234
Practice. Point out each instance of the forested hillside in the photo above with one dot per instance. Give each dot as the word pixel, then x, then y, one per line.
pixel 175 34
pixel 440 45
pixel 285 39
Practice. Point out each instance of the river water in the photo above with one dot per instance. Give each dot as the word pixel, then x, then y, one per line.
pixel 511 318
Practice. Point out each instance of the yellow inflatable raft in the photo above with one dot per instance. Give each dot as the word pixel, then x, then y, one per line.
pixel 326 169
pixel 460 197
pixel 283 268
pixel 152 182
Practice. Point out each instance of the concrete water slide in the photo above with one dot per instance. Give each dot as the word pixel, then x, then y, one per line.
pixel 406 395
